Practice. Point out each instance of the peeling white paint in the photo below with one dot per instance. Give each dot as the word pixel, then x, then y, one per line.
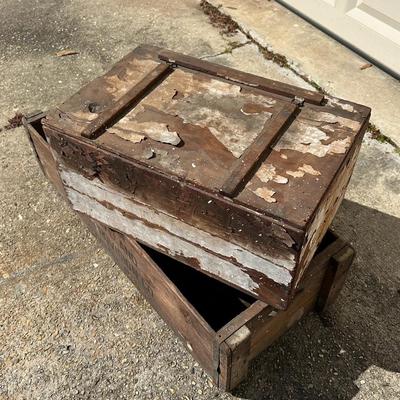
pixel 296 174
pixel 329 128
pixel 154 130
pixel 333 101
pixel 127 135
pixel 239 336
pixel 272 313
pixel 320 116
pixel 308 169
pixel 304 169
pixel 265 194
pixel 82 116
pixel 161 239
pixel 308 139
pixel 210 104
pixel 278 270
pixel 267 172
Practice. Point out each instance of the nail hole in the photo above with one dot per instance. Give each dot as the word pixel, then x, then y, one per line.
pixel 93 107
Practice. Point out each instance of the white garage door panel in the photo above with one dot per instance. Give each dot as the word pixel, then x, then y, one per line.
pixel 372 26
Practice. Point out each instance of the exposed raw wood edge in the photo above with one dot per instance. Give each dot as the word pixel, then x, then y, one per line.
pixel 241 319
pixel 236 76
pixel 83 192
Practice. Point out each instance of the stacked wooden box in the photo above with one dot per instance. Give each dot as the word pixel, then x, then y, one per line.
pixel 213 190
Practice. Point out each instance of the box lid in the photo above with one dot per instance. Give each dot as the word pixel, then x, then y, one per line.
pixel 271 147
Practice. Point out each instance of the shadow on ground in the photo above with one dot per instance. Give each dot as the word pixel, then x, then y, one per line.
pixel 323 357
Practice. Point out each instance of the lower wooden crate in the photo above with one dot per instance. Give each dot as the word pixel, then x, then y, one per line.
pixel 223 328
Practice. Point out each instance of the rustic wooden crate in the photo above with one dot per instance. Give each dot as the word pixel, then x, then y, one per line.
pixel 232 174
pixel 225 329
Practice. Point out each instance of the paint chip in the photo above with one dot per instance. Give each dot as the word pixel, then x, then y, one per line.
pixel 309 170
pixel 132 137
pixel 339 146
pixel 267 172
pixel 265 194
pixel 295 174
pixel 165 136
pixel 304 138
pixel 159 132
pixel 333 101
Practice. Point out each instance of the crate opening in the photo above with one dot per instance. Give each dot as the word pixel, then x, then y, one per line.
pixel 328 239
pixel 215 301
pixel 38 127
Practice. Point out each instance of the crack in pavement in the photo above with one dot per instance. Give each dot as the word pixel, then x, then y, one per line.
pixel 41 264
pixel 226 51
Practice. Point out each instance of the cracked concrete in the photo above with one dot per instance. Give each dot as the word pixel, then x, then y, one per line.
pixel 73 327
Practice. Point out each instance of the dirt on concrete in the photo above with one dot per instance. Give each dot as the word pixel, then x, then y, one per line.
pixel 221 21
pixel 14 122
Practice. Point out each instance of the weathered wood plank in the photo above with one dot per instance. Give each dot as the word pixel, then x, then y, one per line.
pixel 126 102
pixel 334 278
pixel 236 76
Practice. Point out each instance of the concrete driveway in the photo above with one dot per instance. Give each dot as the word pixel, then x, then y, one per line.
pixel 72 326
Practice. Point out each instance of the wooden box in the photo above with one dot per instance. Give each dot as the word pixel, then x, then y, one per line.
pixel 227 328
pixel 235 175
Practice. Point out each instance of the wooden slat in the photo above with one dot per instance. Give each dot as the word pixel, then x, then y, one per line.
pixel 245 166
pixel 236 76
pixel 43 153
pixel 127 101
pixel 334 278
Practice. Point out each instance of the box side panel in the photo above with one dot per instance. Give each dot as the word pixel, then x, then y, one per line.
pixel 204 209
pixel 328 207
pixel 212 255
pixel 95 177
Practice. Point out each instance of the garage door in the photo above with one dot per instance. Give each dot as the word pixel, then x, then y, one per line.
pixel 371 26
